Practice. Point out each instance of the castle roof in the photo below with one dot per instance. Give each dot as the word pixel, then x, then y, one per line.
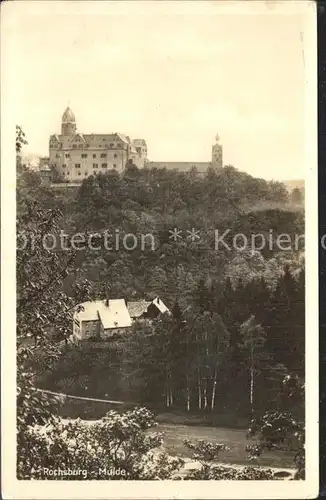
pixel 90 140
pixel 68 116
pixel 123 138
pixel 182 166
pixel 139 142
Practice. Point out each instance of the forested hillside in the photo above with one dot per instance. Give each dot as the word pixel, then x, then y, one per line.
pixel 238 314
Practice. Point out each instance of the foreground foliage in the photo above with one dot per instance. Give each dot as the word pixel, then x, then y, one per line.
pixel 117 447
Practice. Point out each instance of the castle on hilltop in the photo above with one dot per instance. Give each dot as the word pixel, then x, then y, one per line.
pixel 74 156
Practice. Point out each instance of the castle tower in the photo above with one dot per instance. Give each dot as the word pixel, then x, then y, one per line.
pixel 68 123
pixel 217 153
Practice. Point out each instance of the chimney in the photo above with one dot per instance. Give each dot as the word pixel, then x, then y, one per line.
pixel 107 294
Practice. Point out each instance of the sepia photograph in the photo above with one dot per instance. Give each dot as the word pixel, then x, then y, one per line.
pixel 159 225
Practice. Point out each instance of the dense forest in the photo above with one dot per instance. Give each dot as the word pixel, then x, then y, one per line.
pixel 234 343
pixel 237 326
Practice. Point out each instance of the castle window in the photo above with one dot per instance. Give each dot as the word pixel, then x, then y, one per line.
pixel 86 173
pixel 115 155
pixel 67 155
pixel 77 165
pixel 84 155
pixel 114 165
pixel 111 145
pixel 95 165
pixel 104 165
pixel 74 146
pixel 119 145
pixel 79 173
pixel 57 155
pixel 94 156
pixel 64 165
pixel 103 155
pixel 68 173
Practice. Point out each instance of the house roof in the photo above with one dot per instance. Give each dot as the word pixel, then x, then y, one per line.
pixel 136 309
pixel 115 315
pixel 89 311
pixel 160 305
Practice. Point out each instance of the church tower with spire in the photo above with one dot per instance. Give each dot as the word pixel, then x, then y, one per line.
pixel 217 153
pixel 68 123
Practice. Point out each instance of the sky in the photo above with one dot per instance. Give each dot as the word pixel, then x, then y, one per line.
pixel 173 73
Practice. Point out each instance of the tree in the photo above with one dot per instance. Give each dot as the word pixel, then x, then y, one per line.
pixel 296 196
pixel 253 342
pixel 283 428
pixel 131 170
pixel 44 311
pixel 286 321
pixel 20 139
pixel 20 142
pixel 207 345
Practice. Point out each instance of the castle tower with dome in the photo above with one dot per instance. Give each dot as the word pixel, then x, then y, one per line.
pixel 68 123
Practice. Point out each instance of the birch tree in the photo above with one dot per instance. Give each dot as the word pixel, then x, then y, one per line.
pixel 252 346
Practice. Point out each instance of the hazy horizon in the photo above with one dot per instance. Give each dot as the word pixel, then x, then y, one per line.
pixel 174 73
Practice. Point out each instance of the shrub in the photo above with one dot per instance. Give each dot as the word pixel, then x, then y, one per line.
pixel 231 473
pixel 115 443
pixel 208 453
pixel 279 430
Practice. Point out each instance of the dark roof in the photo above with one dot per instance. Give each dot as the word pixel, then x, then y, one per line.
pixel 139 307
pixel 136 309
pixel 182 166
